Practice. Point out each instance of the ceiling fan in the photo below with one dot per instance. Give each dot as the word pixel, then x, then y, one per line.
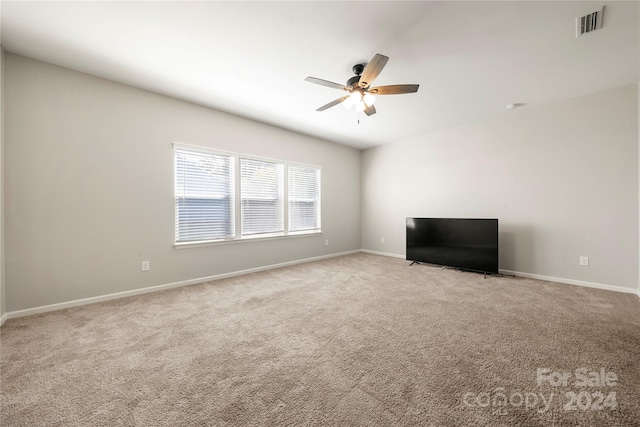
pixel 361 94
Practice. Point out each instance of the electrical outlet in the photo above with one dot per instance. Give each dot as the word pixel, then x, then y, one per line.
pixel 145 266
pixel 326 242
pixel 382 240
pixel 584 260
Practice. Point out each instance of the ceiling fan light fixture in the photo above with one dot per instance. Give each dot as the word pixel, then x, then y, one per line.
pixel 354 100
pixel 368 99
pixel 358 100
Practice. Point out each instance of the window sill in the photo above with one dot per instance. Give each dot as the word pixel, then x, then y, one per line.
pixel 258 238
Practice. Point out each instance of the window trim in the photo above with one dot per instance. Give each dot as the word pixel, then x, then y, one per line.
pixel 288 218
pixel 204 150
pixel 239 238
pixel 282 187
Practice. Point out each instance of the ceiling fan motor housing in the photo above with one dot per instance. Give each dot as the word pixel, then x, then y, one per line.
pixel 353 81
pixel 357 70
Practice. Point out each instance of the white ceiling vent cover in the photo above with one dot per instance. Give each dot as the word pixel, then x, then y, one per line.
pixel 589 23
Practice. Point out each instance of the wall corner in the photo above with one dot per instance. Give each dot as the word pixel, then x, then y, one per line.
pixel 3 306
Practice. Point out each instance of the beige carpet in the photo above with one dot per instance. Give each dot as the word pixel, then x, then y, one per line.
pixel 355 340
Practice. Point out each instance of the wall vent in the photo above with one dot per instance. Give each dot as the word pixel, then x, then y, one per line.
pixel 589 23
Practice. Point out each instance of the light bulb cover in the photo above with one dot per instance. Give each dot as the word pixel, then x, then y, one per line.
pixel 348 103
pixel 368 99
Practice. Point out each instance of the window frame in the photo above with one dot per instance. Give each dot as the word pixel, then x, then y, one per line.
pixel 282 201
pixel 318 200
pixel 237 197
pixel 232 195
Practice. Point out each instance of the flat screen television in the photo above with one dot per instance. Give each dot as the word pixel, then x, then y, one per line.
pixel 463 243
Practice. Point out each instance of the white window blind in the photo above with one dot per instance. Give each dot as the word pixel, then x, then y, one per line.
pixel 262 192
pixel 304 198
pixel 204 195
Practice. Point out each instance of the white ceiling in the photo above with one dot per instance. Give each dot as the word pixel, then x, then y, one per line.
pixel 471 59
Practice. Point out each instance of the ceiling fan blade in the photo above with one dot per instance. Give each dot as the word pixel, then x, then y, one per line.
pixel 326 83
pixel 393 89
pixel 370 110
pixel 372 70
pixel 333 103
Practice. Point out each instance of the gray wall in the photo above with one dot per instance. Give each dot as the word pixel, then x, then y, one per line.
pixel 89 187
pixel 561 178
pixel 3 308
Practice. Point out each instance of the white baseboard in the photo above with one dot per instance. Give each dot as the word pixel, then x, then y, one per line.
pixel 538 277
pixel 367 251
pixel 118 295
pixel 570 281
pixel 3 318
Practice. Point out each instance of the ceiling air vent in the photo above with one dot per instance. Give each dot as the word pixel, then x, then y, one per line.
pixel 589 23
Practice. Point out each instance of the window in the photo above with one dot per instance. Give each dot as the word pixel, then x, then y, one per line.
pixel 272 197
pixel 204 195
pixel 304 198
pixel 262 187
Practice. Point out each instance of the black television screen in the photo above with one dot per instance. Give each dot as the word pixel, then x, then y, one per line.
pixel 467 244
